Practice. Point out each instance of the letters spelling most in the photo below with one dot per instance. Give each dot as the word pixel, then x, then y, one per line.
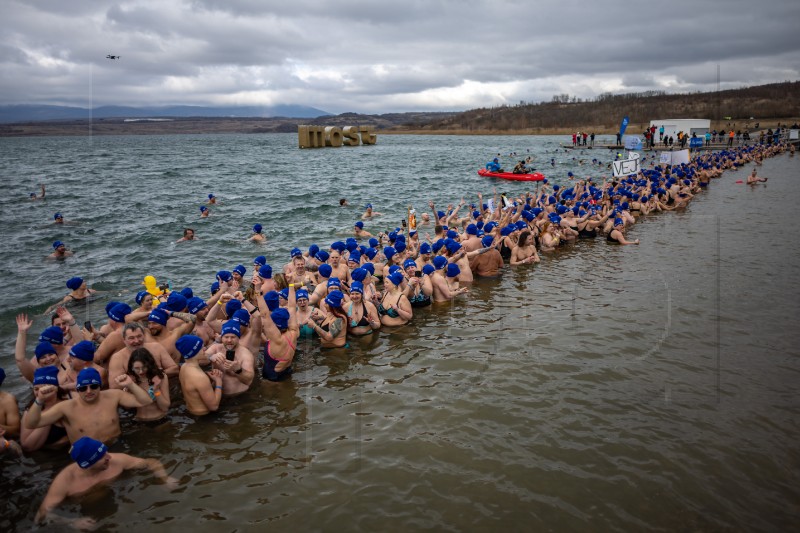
pixel 321 136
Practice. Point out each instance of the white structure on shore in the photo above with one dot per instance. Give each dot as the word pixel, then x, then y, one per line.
pixel 687 125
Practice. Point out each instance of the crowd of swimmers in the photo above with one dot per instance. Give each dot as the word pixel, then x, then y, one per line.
pixel 168 348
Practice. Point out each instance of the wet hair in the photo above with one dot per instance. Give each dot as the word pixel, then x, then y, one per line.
pixel 187 230
pixel 523 238
pixel 131 326
pixel 144 356
pixel 280 281
pixel 342 201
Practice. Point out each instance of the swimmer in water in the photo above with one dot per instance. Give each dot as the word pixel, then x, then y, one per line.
pixel 60 251
pixel 369 213
pixel 212 200
pixel 257 236
pixel 41 195
pixel 94 465
pixel 188 235
pixel 753 178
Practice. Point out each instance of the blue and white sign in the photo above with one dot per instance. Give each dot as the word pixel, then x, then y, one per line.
pixel 695 142
pixel 632 142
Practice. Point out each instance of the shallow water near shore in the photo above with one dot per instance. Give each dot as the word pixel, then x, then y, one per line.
pixel 607 388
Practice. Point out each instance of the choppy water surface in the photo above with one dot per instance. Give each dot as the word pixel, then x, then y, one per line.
pixel 607 388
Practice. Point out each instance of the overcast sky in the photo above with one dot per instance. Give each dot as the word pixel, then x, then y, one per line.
pixel 385 56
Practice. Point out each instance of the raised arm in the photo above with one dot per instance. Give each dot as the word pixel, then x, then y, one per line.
pixel 23 363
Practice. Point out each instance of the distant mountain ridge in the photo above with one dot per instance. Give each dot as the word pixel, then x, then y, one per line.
pixel 39 113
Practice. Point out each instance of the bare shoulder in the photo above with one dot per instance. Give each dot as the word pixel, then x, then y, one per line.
pixel 7 401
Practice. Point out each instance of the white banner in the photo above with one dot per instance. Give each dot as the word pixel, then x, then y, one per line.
pixel 674 158
pixel 624 167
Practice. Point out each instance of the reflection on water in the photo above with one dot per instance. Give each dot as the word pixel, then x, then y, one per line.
pixel 605 388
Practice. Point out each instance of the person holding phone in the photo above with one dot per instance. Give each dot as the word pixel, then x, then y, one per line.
pixel 234 360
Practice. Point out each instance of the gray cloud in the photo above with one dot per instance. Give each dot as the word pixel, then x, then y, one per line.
pixel 358 55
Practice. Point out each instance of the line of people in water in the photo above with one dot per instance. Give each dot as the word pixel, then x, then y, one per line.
pixel 169 348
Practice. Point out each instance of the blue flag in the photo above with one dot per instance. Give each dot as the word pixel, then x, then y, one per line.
pixel 623 126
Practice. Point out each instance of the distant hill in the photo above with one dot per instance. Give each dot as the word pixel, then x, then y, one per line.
pixel 604 113
pixel 43 113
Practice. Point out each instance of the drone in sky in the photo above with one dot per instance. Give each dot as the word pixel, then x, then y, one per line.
pixel 112 57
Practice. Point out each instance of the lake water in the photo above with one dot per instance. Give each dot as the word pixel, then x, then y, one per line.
pixel 607 388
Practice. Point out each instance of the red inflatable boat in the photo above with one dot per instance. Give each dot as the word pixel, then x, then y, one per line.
pixel 511 176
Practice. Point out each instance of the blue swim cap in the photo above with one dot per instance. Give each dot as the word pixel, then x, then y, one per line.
pixel 241 317
pixel 196 305
pixel 339 246
pixel 396 278
pixel 428 269
pixel 355 255
pixel 618 222
pixel 272 299
pixel 370 253
pixel 83 350
pixel 359 225
pixel 334 282
pixel 369 267
pixel 44 348
pixel 439 262
pixel 312 250
pixel 325 270
pixel 334 299
pixel 389 252
pixel 158 316
pixel 357 286
pixel 203 209
pixel 373 242
pixel 176 302
pixel 57 244
pixel 231 307
pixel 424 248
pixel 231 327
pixel 487 241
pixel 359 274
pixel 322 256
pixel 260 260
pixel 189 346
pixel 280 317
pixel 214 287
pixel 46 375
pixel 284 293
pixel 452 234
pixel 265 272
pixel 257 228
pixel 88 376
pixel 118 312
pixel 453 270
pixel 140 296
pixel 301 294
pixel 409 263
pixel 224 275
pixel 400 246
pixel 75 283
pixel 239 269
pixel 57 216
pixel 210 196
pixel 296 252
pixel 86 451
